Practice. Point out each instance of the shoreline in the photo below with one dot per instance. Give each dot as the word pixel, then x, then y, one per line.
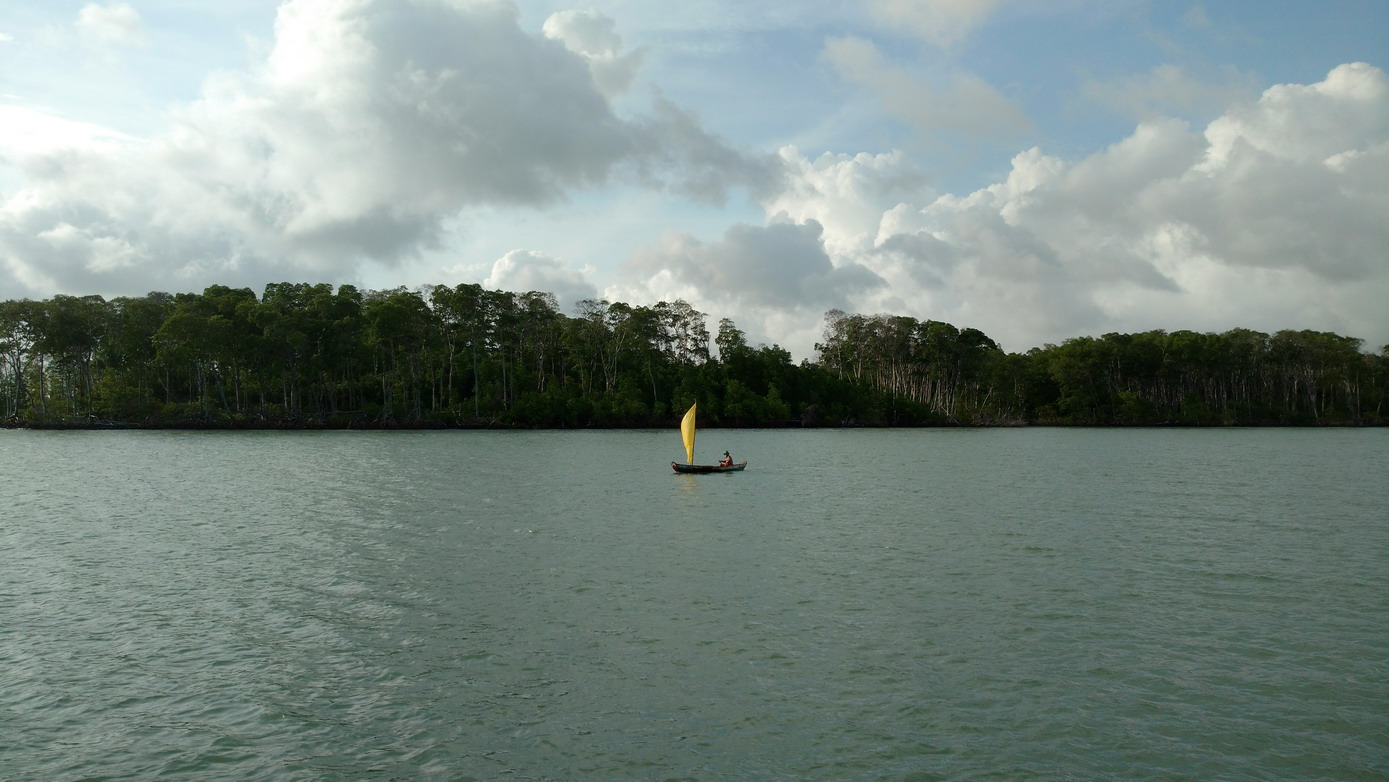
pixel 292 425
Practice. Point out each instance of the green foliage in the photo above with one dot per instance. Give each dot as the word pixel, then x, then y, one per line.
pixel 1240 377
pixel 303 355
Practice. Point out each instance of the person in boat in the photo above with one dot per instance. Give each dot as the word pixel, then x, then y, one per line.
pixel 726 461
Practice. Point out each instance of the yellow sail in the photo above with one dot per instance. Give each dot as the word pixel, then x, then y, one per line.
pixel 687 433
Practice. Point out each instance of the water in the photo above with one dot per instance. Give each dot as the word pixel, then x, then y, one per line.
pixel 916 604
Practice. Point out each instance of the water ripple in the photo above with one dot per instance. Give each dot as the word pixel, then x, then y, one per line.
pixel 1023 604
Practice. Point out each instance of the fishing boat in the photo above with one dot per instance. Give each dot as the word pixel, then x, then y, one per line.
pixel 687 435
pixel 703 468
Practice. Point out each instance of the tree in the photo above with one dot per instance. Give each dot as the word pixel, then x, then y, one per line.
pixel 398 324
pixel 303 352
pixel 19 334
pixel 129 355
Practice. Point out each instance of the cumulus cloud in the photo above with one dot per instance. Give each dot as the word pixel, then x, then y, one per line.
pixel 116 23
pixel 1270 217
pixel 26 132
pixel 968 106
pixel 775 280
pixel 521 271
pixel 368 124
pixel 675 152
pixel 594 37
pixel 846 194
pixel 1308 123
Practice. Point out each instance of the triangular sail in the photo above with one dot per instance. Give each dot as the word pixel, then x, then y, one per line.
pixel 687 433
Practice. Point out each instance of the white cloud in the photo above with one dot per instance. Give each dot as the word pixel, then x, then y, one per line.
pixel 522 271
pixel 116 23
pixel 368 125
pixel 847 194
pixel 672 150
pixel 1308 122
pixel 594 37
pixel 1270 218
pixel 26 132
pixel 371 138
pixel 776 280
pixel 1260 220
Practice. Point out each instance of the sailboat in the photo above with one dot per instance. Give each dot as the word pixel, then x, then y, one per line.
pixel 687 435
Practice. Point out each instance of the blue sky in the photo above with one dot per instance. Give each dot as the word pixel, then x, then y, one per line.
pixel 1037 170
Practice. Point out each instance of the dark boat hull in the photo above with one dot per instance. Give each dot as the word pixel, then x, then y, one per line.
pixel 703 468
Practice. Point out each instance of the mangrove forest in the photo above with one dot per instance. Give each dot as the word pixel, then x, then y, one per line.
pixel 313 356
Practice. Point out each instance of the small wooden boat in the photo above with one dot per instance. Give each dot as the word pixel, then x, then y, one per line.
pixel 703 468
pixel 687 436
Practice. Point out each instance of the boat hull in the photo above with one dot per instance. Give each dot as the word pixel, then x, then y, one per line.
pixel 703 468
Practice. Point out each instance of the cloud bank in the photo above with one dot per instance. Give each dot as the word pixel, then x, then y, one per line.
pixel 1271 217
pixel 368 124
pixel 371 129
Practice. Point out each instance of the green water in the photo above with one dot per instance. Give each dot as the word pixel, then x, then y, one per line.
pixel 925 604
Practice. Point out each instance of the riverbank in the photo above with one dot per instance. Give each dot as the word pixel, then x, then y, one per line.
pixel 349 423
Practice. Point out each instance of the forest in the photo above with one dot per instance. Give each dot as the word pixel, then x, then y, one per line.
pixel 310 356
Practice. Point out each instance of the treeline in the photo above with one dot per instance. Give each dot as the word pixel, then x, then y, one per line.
pixel 303 355
pixel 1240 377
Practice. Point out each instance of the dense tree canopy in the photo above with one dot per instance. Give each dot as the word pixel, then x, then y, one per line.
pixel 302 355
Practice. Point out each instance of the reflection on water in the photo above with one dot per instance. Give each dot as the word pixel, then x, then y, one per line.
pixel 932 603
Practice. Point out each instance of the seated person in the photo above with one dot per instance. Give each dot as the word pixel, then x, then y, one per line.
pixel 727 460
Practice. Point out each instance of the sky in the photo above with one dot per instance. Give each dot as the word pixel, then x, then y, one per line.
pixel 1036 169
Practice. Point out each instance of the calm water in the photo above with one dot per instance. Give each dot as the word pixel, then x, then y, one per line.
pixel 924 604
